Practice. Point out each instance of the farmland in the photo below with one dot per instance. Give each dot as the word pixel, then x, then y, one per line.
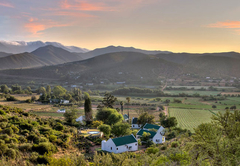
pixel 190 118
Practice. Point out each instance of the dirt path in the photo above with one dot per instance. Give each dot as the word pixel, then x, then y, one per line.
pixel 164 86
pixel 166 110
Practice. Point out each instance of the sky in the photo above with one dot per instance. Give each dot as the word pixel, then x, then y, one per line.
pixel 194 26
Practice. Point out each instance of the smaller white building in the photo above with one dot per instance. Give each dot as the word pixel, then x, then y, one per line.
pixel 61 111
pixel 120 144
pixel 156 136
pixel 80 119
pixel 135 125
pixel 64 101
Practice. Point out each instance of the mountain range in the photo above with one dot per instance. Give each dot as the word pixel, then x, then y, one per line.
pixel 118 64
pixel 16 47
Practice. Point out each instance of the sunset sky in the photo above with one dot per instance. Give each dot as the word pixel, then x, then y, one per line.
pixel 172 25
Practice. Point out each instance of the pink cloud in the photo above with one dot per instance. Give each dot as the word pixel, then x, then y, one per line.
pixel 5 4
pixel 72 14
pixel 227 24
pixel 84 6
pixel 35 27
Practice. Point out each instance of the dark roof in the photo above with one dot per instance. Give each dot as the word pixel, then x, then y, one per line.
pixel 134 121
pixel 151 126
pixel 125 116
pixel 140 132
pixel 124 140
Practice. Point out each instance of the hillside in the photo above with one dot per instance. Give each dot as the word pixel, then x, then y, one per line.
pixel 134 67
pixel 114 49
pixel 44 56
pixel 4 54
pixel 54 55
pixel 16 47
pixel 17 61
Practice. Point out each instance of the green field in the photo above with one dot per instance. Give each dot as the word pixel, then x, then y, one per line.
pixel 191 92
pixel 190 118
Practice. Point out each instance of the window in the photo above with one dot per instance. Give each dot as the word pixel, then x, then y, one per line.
pixel 133 125
pixel 111 148
pixel 117 148
pixel 157 140
pixel 136 144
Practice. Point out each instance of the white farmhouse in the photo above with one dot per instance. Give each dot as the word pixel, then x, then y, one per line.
pixel 157 137
pixel 80 119
pixel 64 101
pixel 61 111
pixel 120 144
pixel 134 124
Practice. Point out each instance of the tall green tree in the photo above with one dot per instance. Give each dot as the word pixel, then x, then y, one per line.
pixel 4 89
pixel 146 118
pixel 48 89
pixel 109 100
pixel 121 129
pixel 42 90
pixel 109 116
pixel 88 111
pixel 70 116
pixel 128 100
pixel 59 91
pixel 218 142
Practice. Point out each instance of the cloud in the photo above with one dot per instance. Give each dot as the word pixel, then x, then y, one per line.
pixel 84 6
pixel 227 24
pixel 72 14
pixel 36 28
pixel 5 4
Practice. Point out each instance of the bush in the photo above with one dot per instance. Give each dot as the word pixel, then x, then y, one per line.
pixel 3 149
pixel 11 98
pixel 44 147
pixel 25 147
pixel 9 131
pixel 164 147
pixel 42 160
pixel 152 150
pixel 175 144
pixel 11 153
pixel 53 138
pixel 2 112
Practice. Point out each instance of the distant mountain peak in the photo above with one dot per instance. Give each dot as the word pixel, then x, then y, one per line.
pixel 22 46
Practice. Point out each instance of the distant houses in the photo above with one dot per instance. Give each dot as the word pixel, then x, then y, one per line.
pixel 61 111
pixel 80 119
pixel 120 144
pixel 156 133
pixel 135 125
pixel 130 143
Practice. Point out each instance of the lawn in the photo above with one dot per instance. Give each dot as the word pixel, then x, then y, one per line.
pixel 190 118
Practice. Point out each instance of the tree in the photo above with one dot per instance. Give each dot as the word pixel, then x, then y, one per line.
pixel 59 91
pixel 121 129
pixel 106 129
pixel 109 116
pixel 88 110
pixel 4 89
pixel 169 122
pixel 29 89
pixel 217 142
pixel 96 123
pixel 121 103
pixel 145 137
pixel 70 116
pixel 233 107
pixel 146 118
pixel 214 106
pixel 42 90
pixel 49 90
pixel 128 100
pixel 109 100
pixel 86 95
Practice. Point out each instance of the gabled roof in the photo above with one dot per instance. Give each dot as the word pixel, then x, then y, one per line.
pixel 140 132
pixel 151 126
pixel 134 120
pixel 125 116
pixel 124 140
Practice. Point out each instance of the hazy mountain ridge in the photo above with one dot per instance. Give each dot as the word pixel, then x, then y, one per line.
pixel 43 56
pixel 16 47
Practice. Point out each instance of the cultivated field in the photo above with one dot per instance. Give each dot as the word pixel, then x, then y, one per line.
pixel 190 118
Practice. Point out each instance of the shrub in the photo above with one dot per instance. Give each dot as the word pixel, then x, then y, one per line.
pixel 3 149
pixel 175 144
pixel 152 150
pixel 42 160
pixel 59 127
pixel 44 147
pixel 2 112
pixel 11 153
pixel 53 138
pixel 9 131
pixel 164 147
pixel 34 156
pixel 43 139
pixel 25 147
